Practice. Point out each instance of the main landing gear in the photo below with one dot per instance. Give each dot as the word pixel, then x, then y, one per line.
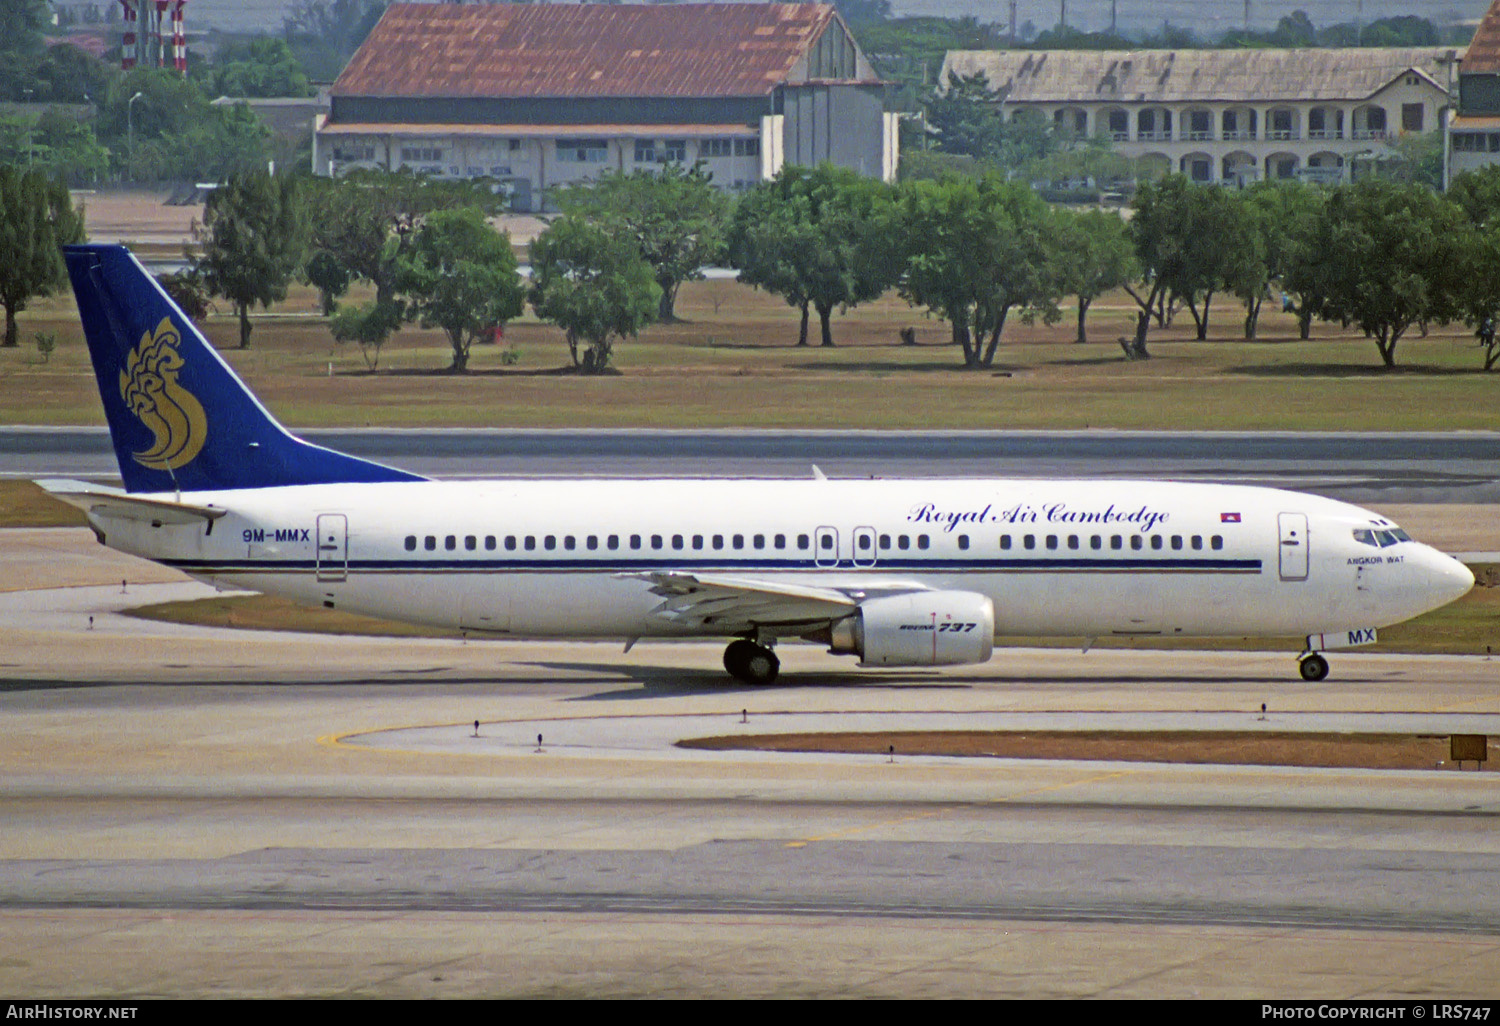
pixel 1312 666
pixel 751 663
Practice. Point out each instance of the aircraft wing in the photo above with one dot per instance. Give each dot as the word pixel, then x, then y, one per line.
pixel 741 603
pixel 101 500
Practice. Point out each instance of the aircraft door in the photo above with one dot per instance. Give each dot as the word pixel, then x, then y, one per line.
pixel 1293 556
pixel 864 553
pixel 333 547
pixel 826 546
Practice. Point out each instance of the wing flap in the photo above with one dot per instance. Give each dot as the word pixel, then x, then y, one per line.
pixel 730 603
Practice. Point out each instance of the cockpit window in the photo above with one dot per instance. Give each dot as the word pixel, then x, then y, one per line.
pixel 1380 539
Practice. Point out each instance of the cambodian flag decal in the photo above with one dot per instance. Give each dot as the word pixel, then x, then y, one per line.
pixel 1229 518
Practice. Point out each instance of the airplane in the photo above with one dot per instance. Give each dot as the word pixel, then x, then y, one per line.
pixel 899 573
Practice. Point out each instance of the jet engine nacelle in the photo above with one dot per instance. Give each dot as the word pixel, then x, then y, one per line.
pixel 924 628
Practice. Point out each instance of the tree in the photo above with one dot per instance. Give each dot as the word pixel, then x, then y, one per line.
pixel 459 274
pixel 252 241
pixel 966 117
pixel 1187 238
pixel 675 215
pixel 817 236
pixel 1278 216
pixel 360 225
pixel 1094 255
pixel 593 285
pixel 1477 196
pixel 37 217
pixel 21 25
pixel 977 249
pixel 1390 255
pixel 263 66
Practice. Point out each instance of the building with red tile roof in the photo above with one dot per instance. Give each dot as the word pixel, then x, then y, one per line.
pixel 548 94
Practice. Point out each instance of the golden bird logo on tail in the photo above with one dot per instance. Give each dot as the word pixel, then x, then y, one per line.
pixel 149 386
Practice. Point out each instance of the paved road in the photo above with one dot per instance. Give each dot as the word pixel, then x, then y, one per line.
pixel 1360 467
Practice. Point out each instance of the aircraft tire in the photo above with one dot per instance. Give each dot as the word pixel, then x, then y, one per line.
pixel 750 663
pixel 1313 667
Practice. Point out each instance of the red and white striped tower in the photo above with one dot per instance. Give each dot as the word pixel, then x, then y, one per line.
pixel 179 38
pixel 127 45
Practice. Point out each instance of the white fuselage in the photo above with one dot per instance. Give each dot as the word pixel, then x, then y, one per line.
pixel 557 557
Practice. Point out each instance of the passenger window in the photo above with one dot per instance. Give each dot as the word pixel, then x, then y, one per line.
pixel 568 542
pixel 1051 541
pixel 697 541
pixel 759 541
pixel 738 541
pixel 1156 541
pixel 863 543
pixel 635 541
pixel 471 543
pixel 429 543
pixel 1135 542
pixel 591 542
pixel 1005 541
pixel 1216 542
pixel 489 543
pixel 510 543
pixel 656 541
pixel 411 543
pixel 781 541
pixel 1072 541
pixel 451 542
pixel 963 541
pixel 1029 541
pixel 677 541
pixel 885 541
pixel 718 541
pixel 1096 543
pixel 549 542
pixel 903 542
pixel 803 543
pixel 826 541
pixel 612 542
pixel 1116 542
pixel 530 542
pixel 921 541
pixel 1197 541
pixel 1177 541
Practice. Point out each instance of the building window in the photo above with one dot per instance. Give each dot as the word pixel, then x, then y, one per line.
pixel 674 150
pixel 582 151
pixel 747 147
pixel 421 154
pixel 1411 117
pixel 645 151
pixel 353 151
pixel 716 148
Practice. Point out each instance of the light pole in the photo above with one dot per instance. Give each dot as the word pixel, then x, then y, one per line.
pixel 130 125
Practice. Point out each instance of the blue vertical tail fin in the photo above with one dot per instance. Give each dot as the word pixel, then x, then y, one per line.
pixel 179 417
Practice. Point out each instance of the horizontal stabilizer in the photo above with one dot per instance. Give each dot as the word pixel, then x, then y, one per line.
pixel 103 501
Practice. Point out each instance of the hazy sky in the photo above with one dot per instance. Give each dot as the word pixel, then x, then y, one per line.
pixel 1207 17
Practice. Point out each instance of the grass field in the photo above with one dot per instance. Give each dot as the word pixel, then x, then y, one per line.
pixel 730 362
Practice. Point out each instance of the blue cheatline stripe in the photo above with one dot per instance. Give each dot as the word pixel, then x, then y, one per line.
pixel 762 566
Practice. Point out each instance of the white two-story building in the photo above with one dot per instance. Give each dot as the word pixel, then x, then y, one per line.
pixel 1231 116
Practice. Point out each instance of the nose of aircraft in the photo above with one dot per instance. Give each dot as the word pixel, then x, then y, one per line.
pixel 1447 578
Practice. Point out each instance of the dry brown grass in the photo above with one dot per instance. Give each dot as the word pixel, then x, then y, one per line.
pixel 1237 748
pixel 731 362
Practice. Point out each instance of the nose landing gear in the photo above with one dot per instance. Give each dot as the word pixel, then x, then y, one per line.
pixel 1312 666
pixel 751 663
